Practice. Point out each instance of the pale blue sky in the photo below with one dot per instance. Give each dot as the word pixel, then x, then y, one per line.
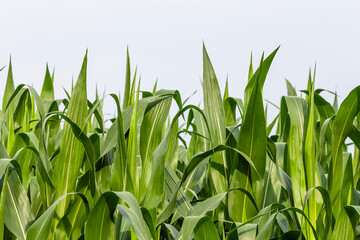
pixel 165 41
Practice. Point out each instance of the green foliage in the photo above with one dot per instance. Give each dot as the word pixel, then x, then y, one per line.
pixel 65 174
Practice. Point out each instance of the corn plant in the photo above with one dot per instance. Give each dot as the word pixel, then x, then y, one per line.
pixel 220 170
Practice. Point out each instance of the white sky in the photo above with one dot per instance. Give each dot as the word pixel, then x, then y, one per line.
pixel 165 41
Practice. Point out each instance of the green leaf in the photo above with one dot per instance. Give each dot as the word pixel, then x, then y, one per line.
pixel 252 141
pixel 327 205
pixel 212 203
pixel 9 91
pixel 149 221
pixel 9 87
pixel 267 231
pixel 296 110
pixel 215 114
pixel 347 184
pixel 70 157
pixel 198 227
pixel 99 224
pixel 230 105
pixel 47 91
pixel 2 203
pixel 205 229
pixel 342 126
pixel 120 158
pixel 132 183
pixel 311 168
pixel 171 179
pixel 343 227
pixel 290 89
pixel 150 138
pixel 126 102
pixel 41 228
pixel 247 231
pixel 157 180
pixel 132 91
pixel 260 73
pixel 72 224
pixel 18 212
pixel 144 106
pixel 251 70
pixel 324 108
pixel 192 164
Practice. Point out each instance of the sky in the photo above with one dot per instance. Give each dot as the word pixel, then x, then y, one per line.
pixel 165 42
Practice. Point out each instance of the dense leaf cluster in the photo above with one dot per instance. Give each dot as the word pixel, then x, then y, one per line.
pixel 219 171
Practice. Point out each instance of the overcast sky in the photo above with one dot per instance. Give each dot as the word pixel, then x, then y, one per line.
pixel 165 42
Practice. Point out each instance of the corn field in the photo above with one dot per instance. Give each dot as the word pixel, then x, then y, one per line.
pixel 221 170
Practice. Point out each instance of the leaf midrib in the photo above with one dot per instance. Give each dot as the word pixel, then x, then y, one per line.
pixel 16 210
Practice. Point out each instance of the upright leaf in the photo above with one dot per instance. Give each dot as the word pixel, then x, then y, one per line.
pixel 342 126
pixel 132 184
pixel 252 141
pixel 127 81
pixel 9 136
pixel 295 107
pixel 18 212
pixel 3 202
pixel 261 74
pixel 310 161
pixel 215 114
pixel 47 91
pixel 290 89
pixel 121 156
pixel 71 153
pixel 150 138
pixel 9 87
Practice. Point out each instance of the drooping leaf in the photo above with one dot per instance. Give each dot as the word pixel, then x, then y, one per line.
pixel 41 228
pixel 103 211
pixel 199 227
